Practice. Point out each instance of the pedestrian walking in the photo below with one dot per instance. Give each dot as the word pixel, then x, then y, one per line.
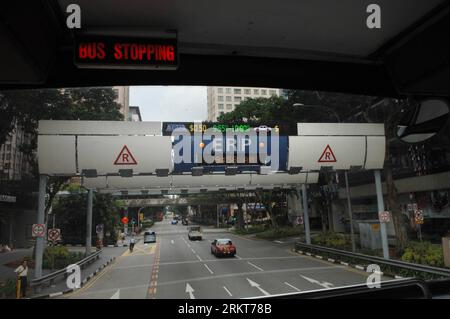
pixel 132 242
pixel 22 282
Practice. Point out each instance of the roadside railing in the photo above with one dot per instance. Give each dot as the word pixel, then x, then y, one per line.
pixel 49 279
pixel 387 266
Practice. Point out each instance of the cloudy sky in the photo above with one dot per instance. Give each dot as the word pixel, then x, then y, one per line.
pixel 170 103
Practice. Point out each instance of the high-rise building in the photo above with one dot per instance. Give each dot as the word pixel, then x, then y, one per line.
pixel 223 99
pixel 123 98
pixel 13 163
pixel 135 114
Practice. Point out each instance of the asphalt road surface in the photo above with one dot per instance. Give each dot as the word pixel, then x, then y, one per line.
pixel 175 267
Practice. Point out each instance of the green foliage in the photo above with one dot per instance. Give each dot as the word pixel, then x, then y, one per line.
pixel 58 257
pixel 280 232
pixel 147 224
pixel 71 216
pixel 333 240
pixel 8 288
pixel 424 253
pixel 251 230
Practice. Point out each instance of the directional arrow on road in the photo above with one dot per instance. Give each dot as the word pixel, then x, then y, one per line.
pixel 190 291
pixel 314 281
pixel 255 284
pixel 116 295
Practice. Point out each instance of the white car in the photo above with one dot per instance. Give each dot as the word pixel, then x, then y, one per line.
pixel 263 128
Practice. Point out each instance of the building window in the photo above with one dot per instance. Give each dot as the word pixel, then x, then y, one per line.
pixel 220 90
pixel 263 92
pixel 255 91
pixel 247 91
pixel 228 90
pixel 228 98
pixel 272 92
pixel 237 99
pixel 220 106
pixel 220 98
pixel 229 106
pixel 7 156
pixel 237 91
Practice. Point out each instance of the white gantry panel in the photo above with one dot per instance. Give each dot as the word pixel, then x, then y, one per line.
pixel 56 155
pixel 230 181
pixel 338 152
pixel 50 127
pixel 279 179
pixel 124 183
pixel 340 129
pixel 109 154
pixel 376 150
pixel 95 182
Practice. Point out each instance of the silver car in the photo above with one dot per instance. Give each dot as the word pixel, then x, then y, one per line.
pixel 149 237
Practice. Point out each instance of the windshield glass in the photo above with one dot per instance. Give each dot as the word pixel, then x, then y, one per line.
pixel 337 177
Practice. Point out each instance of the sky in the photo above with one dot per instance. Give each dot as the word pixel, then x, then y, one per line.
pixel 170 103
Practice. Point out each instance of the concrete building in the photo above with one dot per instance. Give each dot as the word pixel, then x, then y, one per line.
pixel 135 114
pixel 123 98
pixel 223 99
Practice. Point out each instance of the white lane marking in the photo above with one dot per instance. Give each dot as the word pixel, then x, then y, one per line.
pixel 259 268
pixel 314 281
pixel 293 287
pixel 192 249
pixel 199 258
pixel 255 284
pixel 229 293
pixel 238 257
pixel 116 295
pixel 190 291
pixel 208 268
pixel 172 242
pixel 279 242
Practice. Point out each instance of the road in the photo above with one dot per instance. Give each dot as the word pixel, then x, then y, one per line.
pixel 175 267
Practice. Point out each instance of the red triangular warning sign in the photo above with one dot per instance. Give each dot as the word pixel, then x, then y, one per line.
pixel 327 156
pixel 125 157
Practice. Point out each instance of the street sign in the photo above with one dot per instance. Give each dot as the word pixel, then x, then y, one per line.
pixel 38 230
pixel 385 217
pixel 141 216
pixel 99 228
pixel 299 220
pixel 418 217
pixel 54 234
pixel 125 220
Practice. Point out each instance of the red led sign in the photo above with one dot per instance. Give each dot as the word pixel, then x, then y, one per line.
pixel 125 53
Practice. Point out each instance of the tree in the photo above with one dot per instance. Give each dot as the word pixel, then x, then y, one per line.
pixel 25 108
pixel 352 108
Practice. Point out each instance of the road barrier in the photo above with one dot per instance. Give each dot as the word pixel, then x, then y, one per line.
pixel 49 279
pixel 388 266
